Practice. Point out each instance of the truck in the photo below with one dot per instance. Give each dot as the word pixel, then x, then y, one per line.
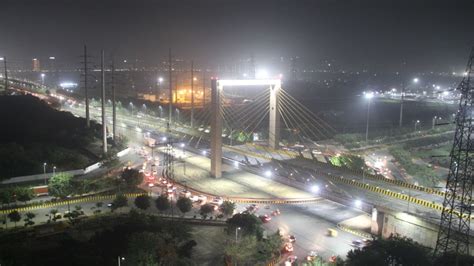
pixel 150 142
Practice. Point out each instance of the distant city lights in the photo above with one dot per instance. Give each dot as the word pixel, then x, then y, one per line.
pixel 67 85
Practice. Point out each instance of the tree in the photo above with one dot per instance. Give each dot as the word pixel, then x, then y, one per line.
pixel 97 207
pixel 184 205
pixel 73 216
pixel 14 216
pixel 132 177
pixel 227 207
pixel 149 249
pixel 23 194
pixel 454 259
pixel 249 224
pixel 242 252
pixel 7 196
pixel 110 160
pixel 162 203
pixel 119 202
pixel 60 185
pixel 142 202
pixel 267 248
pixel 206 209
pixel 29 219
pixel 53 215
pixel 394 250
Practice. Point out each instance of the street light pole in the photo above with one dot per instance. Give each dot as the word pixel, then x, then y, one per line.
pixel 192 94
pixel 236 233
pixel 119 260
pixel 368 96
pixel 44 173
pixel 402 98
pixel 416 123
pixel 54 170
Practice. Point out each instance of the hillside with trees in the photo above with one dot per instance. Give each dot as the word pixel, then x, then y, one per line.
pixel 33 133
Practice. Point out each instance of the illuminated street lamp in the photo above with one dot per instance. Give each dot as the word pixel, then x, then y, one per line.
pixel 315 189
pixel 236 233
pixel 368 95
pixel 160 80
pixel 358 203
pixel 182 146
pixel 268 173
pixel 44 173
pixel 54 170
pixel 119 260
pixel 402 98
pixel 262 74
pixel 434 122
pixel 131 105
pixel 417 122
pixel 42 78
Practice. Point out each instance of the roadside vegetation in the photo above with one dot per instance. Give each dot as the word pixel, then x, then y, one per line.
pixel 34 133
pixel 357 140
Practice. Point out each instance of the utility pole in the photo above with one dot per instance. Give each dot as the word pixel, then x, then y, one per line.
pixel 88 123
pixel 203 88
pixel 170 111
pixel 402 98
pixel 6 73
pixel 114 114
pixel 252 67
pixel 104 125
pixel 192 94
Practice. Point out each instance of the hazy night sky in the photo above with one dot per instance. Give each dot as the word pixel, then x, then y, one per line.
pixel 429 35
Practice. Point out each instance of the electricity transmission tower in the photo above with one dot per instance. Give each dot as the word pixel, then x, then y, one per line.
pixel 453 236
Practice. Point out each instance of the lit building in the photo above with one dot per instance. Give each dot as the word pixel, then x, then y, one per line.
pixel 36 65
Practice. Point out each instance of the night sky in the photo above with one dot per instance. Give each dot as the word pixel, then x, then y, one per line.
pixel 427 35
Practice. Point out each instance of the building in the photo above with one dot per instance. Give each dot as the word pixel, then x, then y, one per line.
pixel 36 65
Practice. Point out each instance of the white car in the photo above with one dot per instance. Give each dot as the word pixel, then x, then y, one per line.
pixel 185 194
pixel 202 199
pixel 218 200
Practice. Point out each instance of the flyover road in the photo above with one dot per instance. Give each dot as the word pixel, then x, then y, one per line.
pixel 357 193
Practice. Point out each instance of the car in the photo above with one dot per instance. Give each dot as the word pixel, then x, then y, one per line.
pixel 265 218
pixel 288 247
pixel 151 185
pixel 292 259
pixel 252 208
pixel 185 194
pixel 276 212
pixel 312 256
pixel 358 243
pixel 194 198
pixel 216 207
pixel 291 238
pixel 217 200
pixel 202 199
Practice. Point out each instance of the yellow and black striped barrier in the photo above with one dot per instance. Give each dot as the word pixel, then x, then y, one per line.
pixel 275 201
pixel 354 232
pixel 392 194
